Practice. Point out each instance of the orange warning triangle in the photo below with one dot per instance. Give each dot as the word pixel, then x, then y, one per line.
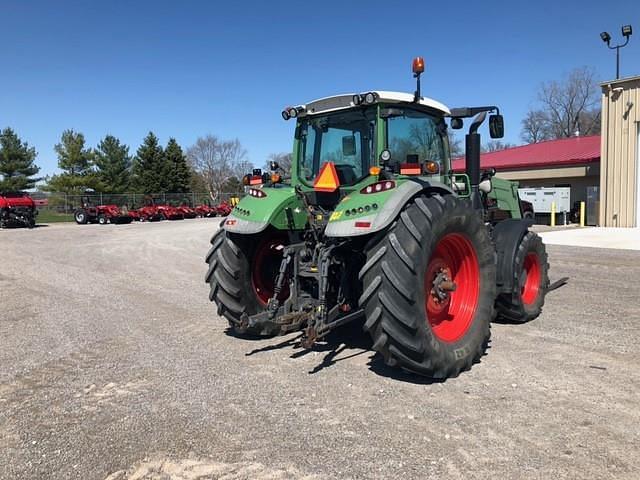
pixel 327 179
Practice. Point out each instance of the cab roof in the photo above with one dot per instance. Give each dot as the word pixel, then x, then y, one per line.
pixel 340 102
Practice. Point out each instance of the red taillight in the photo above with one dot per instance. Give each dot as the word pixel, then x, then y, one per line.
pixel 254 192
pixel 379 187
pixel 363 224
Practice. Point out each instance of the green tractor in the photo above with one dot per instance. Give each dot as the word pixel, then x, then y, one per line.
pixel 371 224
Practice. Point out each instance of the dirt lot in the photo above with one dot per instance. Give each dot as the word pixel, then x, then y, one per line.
pixel 113 364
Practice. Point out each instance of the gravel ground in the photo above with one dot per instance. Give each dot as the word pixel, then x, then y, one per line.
pixel 114 365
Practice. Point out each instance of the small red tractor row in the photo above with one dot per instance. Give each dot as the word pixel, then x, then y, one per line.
pixel 152 212
pixel 17 209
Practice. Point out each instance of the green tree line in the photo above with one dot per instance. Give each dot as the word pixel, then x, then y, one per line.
pixel 110 168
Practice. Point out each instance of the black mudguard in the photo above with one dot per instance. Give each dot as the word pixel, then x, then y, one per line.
pixel 506 237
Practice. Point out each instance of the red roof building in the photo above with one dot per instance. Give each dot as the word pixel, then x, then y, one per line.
pixel 552 153
pixel 568 162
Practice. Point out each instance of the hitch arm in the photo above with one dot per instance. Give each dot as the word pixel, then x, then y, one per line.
pixel 274 302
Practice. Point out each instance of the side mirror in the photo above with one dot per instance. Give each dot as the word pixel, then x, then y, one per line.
pixel 349 145
pixel 456 123
pixel 496 126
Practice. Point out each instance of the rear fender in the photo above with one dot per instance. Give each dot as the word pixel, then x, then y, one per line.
pixel 342 225
pixel 506 237
pixel 253 215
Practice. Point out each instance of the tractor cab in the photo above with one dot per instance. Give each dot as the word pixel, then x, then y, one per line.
pixel 358 136
pixel 353 152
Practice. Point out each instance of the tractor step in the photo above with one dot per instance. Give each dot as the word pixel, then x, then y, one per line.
pixel 557 284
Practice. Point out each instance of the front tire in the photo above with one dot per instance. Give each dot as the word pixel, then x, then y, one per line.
pixel 415 319
pixel 530 282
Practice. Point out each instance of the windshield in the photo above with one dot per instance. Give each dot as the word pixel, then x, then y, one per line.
pixel 415 137
pixel 344 138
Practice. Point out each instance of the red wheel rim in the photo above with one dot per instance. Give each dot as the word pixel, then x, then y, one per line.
pixel 454 259
pixel 265 267
pixel 531 286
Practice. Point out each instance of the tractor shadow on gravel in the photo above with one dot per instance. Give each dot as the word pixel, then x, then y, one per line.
pixel 341 344
pixel 349 339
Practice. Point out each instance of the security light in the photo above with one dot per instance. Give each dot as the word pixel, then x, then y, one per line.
pixel 606 38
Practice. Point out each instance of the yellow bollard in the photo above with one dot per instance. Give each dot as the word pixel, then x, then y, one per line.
pixel 553 214
pixel 582 214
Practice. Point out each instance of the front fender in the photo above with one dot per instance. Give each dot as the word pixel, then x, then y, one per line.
pixel 507 236
pixel 253 215
pixel 388 206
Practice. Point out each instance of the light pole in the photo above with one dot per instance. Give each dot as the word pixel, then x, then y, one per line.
pixel 606 38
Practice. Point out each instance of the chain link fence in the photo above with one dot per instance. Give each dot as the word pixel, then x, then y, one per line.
pixel 65 203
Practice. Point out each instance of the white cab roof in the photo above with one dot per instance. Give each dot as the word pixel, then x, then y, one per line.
pixel 339 102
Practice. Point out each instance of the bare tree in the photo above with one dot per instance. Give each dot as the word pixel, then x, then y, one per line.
pixel 283 159
pixel 217 161
pixel 496 146
pixel 535 127
pixel 455 145
pixel 567 108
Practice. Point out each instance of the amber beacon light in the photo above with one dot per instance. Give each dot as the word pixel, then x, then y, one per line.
pixel 418 66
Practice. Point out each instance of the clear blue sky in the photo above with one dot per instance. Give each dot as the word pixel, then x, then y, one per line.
pixel 185 69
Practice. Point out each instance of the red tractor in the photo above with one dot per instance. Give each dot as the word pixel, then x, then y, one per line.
pixel 167 212
pixel 223 209
pixel 187 211
pixel 135 216
pixel 17 209
pixel 149 213
pixel 101 214
pixel 205 210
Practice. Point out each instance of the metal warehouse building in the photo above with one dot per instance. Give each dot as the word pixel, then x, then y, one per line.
pixel 620 166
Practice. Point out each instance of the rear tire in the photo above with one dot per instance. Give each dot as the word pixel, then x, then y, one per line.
pixel 530 282
pixel 238 274
pixel 414 328
pixel 81 217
